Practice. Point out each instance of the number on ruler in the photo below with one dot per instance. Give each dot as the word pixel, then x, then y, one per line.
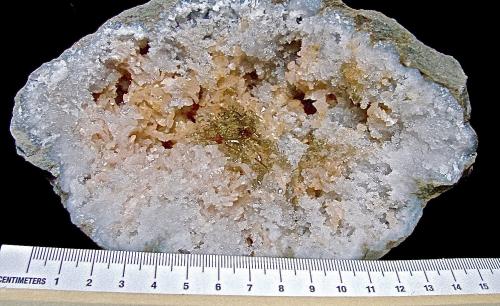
pixel 429 288
pixel 342 289
pixel 281 288
pixel 400 288
pixel 456 287
pixel 153 285
pixel 371 289
pixel 249 287
pixel 484 286
pixel 56 281
pixel 186 286
pixel 121 284
pixel 89 283
pixel 218 287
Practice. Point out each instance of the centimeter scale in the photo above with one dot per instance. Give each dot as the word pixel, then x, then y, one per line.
pixel 26 267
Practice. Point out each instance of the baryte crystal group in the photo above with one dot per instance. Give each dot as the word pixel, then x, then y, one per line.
pixel 299 128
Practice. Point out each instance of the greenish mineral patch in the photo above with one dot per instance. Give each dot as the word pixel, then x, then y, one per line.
pixel 351 75
pixel 427 191
pixel 319 154
pixel 235 130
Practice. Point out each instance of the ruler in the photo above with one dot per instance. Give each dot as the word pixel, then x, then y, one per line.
pixel 27 267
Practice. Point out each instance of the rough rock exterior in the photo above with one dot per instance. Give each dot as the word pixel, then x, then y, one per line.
pixel 300 128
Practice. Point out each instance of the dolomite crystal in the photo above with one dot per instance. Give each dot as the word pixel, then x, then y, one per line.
pixel 300 128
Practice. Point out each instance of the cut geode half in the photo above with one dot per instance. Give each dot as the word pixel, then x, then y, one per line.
pixel 300 128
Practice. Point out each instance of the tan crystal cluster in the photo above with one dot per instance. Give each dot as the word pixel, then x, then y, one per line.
pixel 256 128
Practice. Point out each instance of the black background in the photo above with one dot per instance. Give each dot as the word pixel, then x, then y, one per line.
pixel 463 222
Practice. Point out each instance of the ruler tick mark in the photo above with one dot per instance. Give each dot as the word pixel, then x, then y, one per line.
pixel 480 275
pixel 453 274
pixel 60 267
pixel 92 267
pixel 281 278
pixel 426 278
pixel 369 277
pixel 123 271
pixel 249 274
pixel 397 274
pixel 340 275
pixel 29 261
pixel 187 271
pixel 310 275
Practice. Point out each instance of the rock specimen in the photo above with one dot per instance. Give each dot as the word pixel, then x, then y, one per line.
pixel 300 128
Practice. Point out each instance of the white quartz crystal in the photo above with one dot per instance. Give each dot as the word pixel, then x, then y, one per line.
pixel 243 127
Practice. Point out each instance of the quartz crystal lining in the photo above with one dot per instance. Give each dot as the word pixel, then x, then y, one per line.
pixel 249 128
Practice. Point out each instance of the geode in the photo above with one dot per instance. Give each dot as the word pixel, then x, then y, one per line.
pixel 298 128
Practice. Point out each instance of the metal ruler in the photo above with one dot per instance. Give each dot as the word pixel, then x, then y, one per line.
pixel 26 267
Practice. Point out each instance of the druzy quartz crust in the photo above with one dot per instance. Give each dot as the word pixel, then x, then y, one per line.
pixel 298 128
